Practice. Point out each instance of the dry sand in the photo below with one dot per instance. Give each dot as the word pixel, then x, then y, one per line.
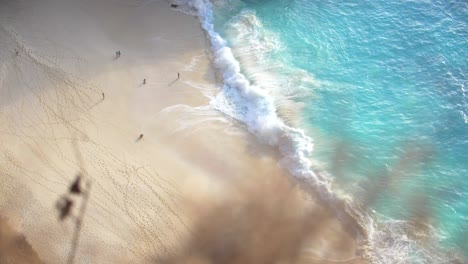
pixel 196 188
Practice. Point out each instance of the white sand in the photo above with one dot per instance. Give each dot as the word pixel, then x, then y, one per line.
pixel 195 189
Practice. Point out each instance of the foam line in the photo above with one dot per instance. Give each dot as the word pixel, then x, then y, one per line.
pixel 252 105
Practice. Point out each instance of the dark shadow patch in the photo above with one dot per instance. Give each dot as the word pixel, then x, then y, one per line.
pixel 14 247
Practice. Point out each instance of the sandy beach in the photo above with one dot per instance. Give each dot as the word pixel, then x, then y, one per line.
pixel 168 179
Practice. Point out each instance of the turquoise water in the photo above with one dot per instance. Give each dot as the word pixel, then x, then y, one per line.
pixel 384 95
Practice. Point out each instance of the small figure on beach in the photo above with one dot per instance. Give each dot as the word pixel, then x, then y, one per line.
pixel 144 81
pixel 117 54
pixel 103 96
pixel 178 76
pixel 140 137
pixel 64 206
pixel 76 187
pixel 16 52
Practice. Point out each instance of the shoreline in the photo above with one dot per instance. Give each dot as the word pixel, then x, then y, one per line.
pixel 149 197
pixel 245 24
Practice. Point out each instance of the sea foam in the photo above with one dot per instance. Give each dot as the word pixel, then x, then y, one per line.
pixel 252 105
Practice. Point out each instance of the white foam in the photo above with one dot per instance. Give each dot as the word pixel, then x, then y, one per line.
pixel 250 104
pixel 256 47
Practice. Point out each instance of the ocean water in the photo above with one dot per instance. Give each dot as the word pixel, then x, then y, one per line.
pixel 367 101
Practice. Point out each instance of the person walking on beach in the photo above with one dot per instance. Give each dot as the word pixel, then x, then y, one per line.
pixel 103 96
pixel 117 54
pixel 144 81
pixel 178 76
pixel 140 137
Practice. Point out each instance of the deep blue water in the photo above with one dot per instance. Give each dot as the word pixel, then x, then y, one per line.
pixel 384 89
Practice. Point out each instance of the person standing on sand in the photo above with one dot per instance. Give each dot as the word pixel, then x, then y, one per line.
pixel 140 137
pixel 103 96
pixel 178 76
pixel 144 81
